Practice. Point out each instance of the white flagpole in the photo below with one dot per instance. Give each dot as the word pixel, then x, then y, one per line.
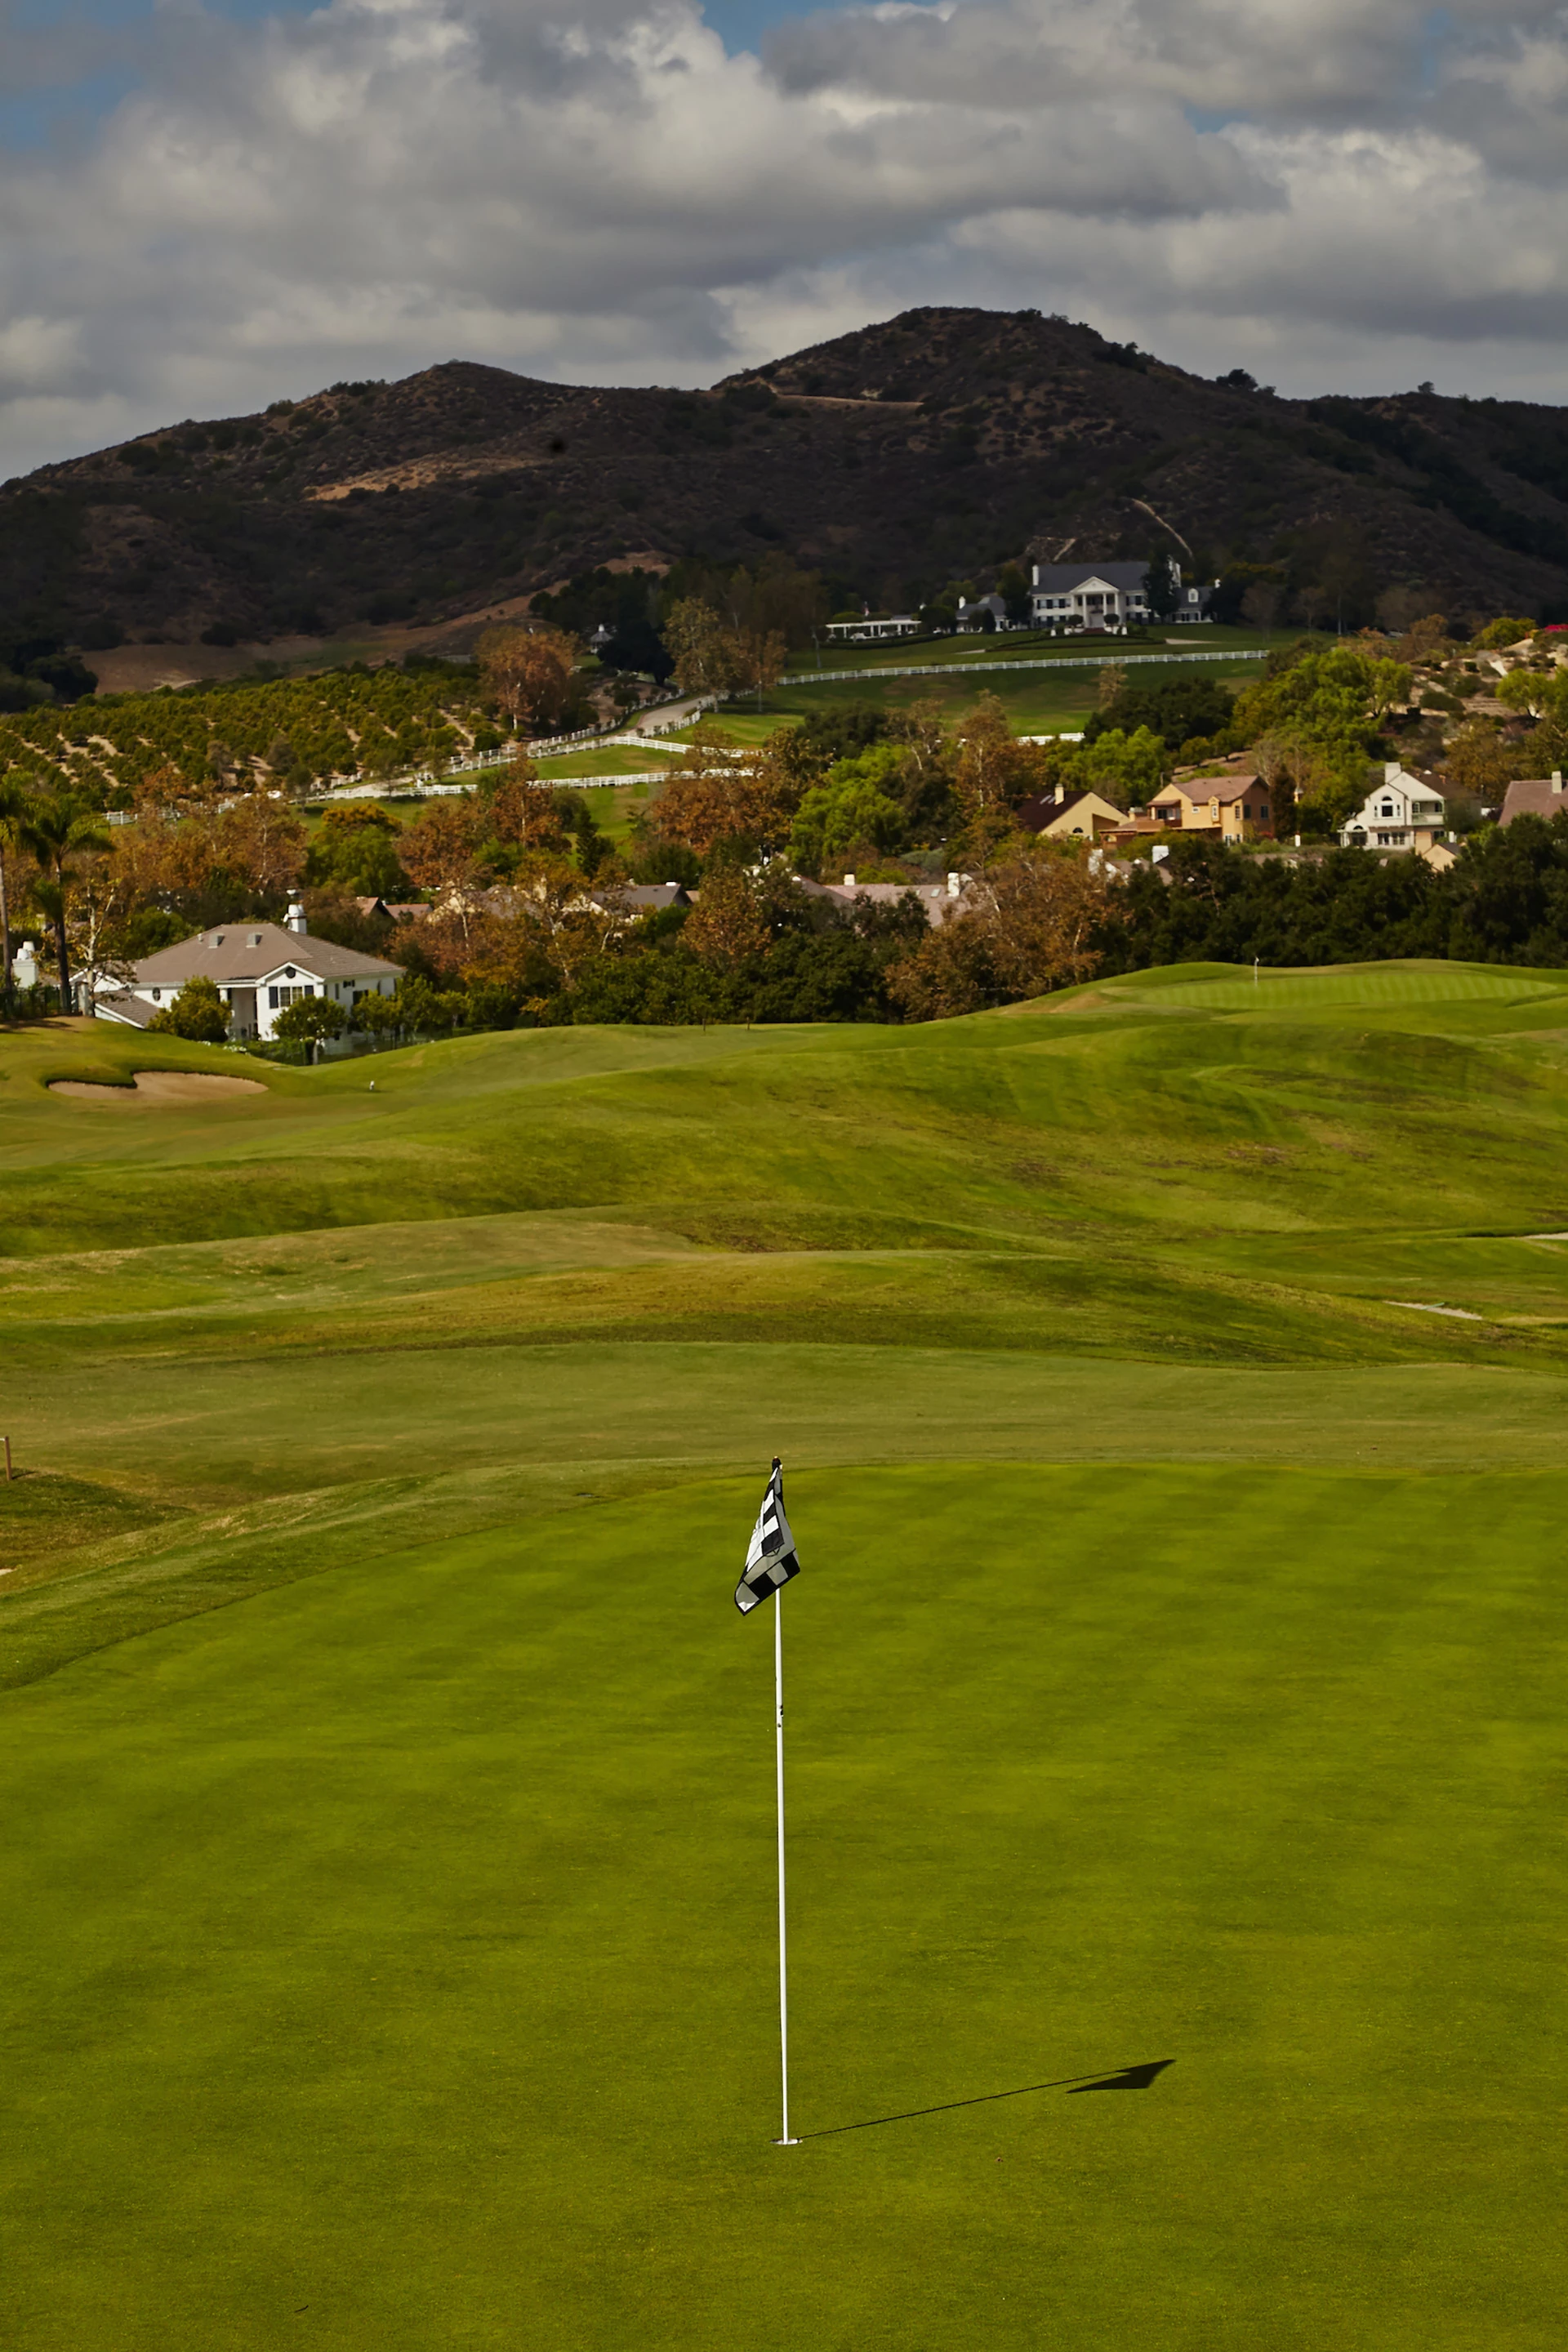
pixel 785 2139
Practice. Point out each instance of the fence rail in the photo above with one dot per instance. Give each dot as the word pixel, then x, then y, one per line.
pixel 1030 661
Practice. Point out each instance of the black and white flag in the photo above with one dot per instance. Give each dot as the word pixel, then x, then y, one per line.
pixel 770 1558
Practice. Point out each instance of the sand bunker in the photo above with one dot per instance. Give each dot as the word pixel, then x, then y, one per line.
pixel 160 1085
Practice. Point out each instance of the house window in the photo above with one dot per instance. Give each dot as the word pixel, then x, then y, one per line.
pixel 157 996
pixel 279 998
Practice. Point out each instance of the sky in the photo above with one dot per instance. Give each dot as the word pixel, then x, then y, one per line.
pixel 208 205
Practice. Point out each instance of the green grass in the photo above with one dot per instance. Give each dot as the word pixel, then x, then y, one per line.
pixel 610 760
pixel 389 1957
pixel 1036 701
pixel 1038 645
pixel 1174 1677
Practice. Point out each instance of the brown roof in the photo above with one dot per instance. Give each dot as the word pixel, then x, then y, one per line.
pixel 243 952
pixel 1209 788
pixel 1533 796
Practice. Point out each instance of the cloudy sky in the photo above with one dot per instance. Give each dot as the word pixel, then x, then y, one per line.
pixel 204 207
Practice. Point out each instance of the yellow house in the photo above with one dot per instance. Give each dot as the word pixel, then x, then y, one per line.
pixel 1236 807
pixel 1085 813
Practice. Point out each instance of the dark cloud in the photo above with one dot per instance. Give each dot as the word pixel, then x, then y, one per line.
pixel 602 191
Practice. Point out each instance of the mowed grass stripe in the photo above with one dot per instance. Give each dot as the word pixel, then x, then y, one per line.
pixel 389 1960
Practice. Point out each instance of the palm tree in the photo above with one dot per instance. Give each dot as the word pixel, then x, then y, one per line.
pixel 13 804
pixel 54 830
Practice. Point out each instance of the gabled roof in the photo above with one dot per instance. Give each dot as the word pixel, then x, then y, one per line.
pixel 1058 579
pixel 1533 796
pixel 1041 812
pixel 1209 788
pixel 232 953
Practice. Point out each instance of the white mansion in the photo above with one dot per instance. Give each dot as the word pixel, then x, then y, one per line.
pixel 1069 596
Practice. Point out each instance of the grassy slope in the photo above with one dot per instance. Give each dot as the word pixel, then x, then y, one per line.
pixel 1164 1755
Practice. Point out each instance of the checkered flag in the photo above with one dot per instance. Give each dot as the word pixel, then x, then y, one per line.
pixel 770 1558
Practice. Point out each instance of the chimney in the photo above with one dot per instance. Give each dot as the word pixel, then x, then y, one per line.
pixel 1557 779
pixel 295 918
pixel 850 881
pixel 1391 772
pixel 952 885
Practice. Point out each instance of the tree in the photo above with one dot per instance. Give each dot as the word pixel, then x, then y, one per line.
pixel 993 774
pixel 1013 590
pixel 15 792
pixel 199 1013
pixel 528 673
pixel 702 647
pixel 310 1020
pixel 1161 585
pixel 1509 631
pixel 712 797
pixel 727 925
pixel 440 854
pixel 55 829
pixel 1479 761
pixel 1524 690
pixel 850 807
pixel 356 850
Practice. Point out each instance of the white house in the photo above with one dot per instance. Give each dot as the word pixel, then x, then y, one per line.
pixel 1067 596
pixel 258 968
pixel 868 631
pixel 1402 814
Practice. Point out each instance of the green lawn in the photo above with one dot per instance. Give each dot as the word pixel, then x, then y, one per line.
pixel 1036 701
pixel 1174 1677
pixel 390 1958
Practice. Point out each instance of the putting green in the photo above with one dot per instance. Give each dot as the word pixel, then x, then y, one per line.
pixel 389 1961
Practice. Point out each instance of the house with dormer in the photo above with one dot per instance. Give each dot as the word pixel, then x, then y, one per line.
pixel 1404 813
pixel 258 968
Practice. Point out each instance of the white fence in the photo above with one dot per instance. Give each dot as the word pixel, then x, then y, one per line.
pixel 1031 661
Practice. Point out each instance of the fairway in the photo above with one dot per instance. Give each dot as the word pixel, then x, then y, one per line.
pixel 1170 1378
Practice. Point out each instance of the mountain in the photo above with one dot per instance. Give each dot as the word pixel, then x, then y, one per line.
pixel 925 449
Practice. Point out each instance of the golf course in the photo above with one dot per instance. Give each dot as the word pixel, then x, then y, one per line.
pixel 1170 1377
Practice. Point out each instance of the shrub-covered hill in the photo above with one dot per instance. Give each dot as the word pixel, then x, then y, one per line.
pixel 936 444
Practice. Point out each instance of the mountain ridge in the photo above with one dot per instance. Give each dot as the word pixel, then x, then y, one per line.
pixel 926 448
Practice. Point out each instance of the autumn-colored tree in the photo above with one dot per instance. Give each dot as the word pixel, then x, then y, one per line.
pixel 441 852
pixel 519 812
pixel 1027 927
pixel 1482 761
pixel 552 918
pixel 993 773
pixel 728 924
pixel 702 645
pixel 527 673
pixel 711 797
pixel 260 844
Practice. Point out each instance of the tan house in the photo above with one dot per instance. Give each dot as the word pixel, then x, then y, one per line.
pixel 1084 814
pixel 1236 807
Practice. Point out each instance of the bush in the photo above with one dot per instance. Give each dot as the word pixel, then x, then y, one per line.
pixel 199 1012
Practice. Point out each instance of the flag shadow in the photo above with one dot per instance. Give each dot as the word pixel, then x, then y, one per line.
pixel 1125 2078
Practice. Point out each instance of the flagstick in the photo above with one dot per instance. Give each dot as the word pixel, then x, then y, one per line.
pixel 784 2140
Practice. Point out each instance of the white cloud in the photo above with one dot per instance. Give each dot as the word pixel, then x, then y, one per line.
pixel 604 192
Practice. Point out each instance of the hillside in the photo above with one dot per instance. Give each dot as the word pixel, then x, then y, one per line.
pixel 930 447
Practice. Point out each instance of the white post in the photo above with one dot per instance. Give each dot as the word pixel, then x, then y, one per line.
pixel 784 2140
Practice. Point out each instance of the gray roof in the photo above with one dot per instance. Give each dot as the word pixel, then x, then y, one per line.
pixel 244 953
pixel 1533 796
pixel 1058 579
pixel 124 1007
